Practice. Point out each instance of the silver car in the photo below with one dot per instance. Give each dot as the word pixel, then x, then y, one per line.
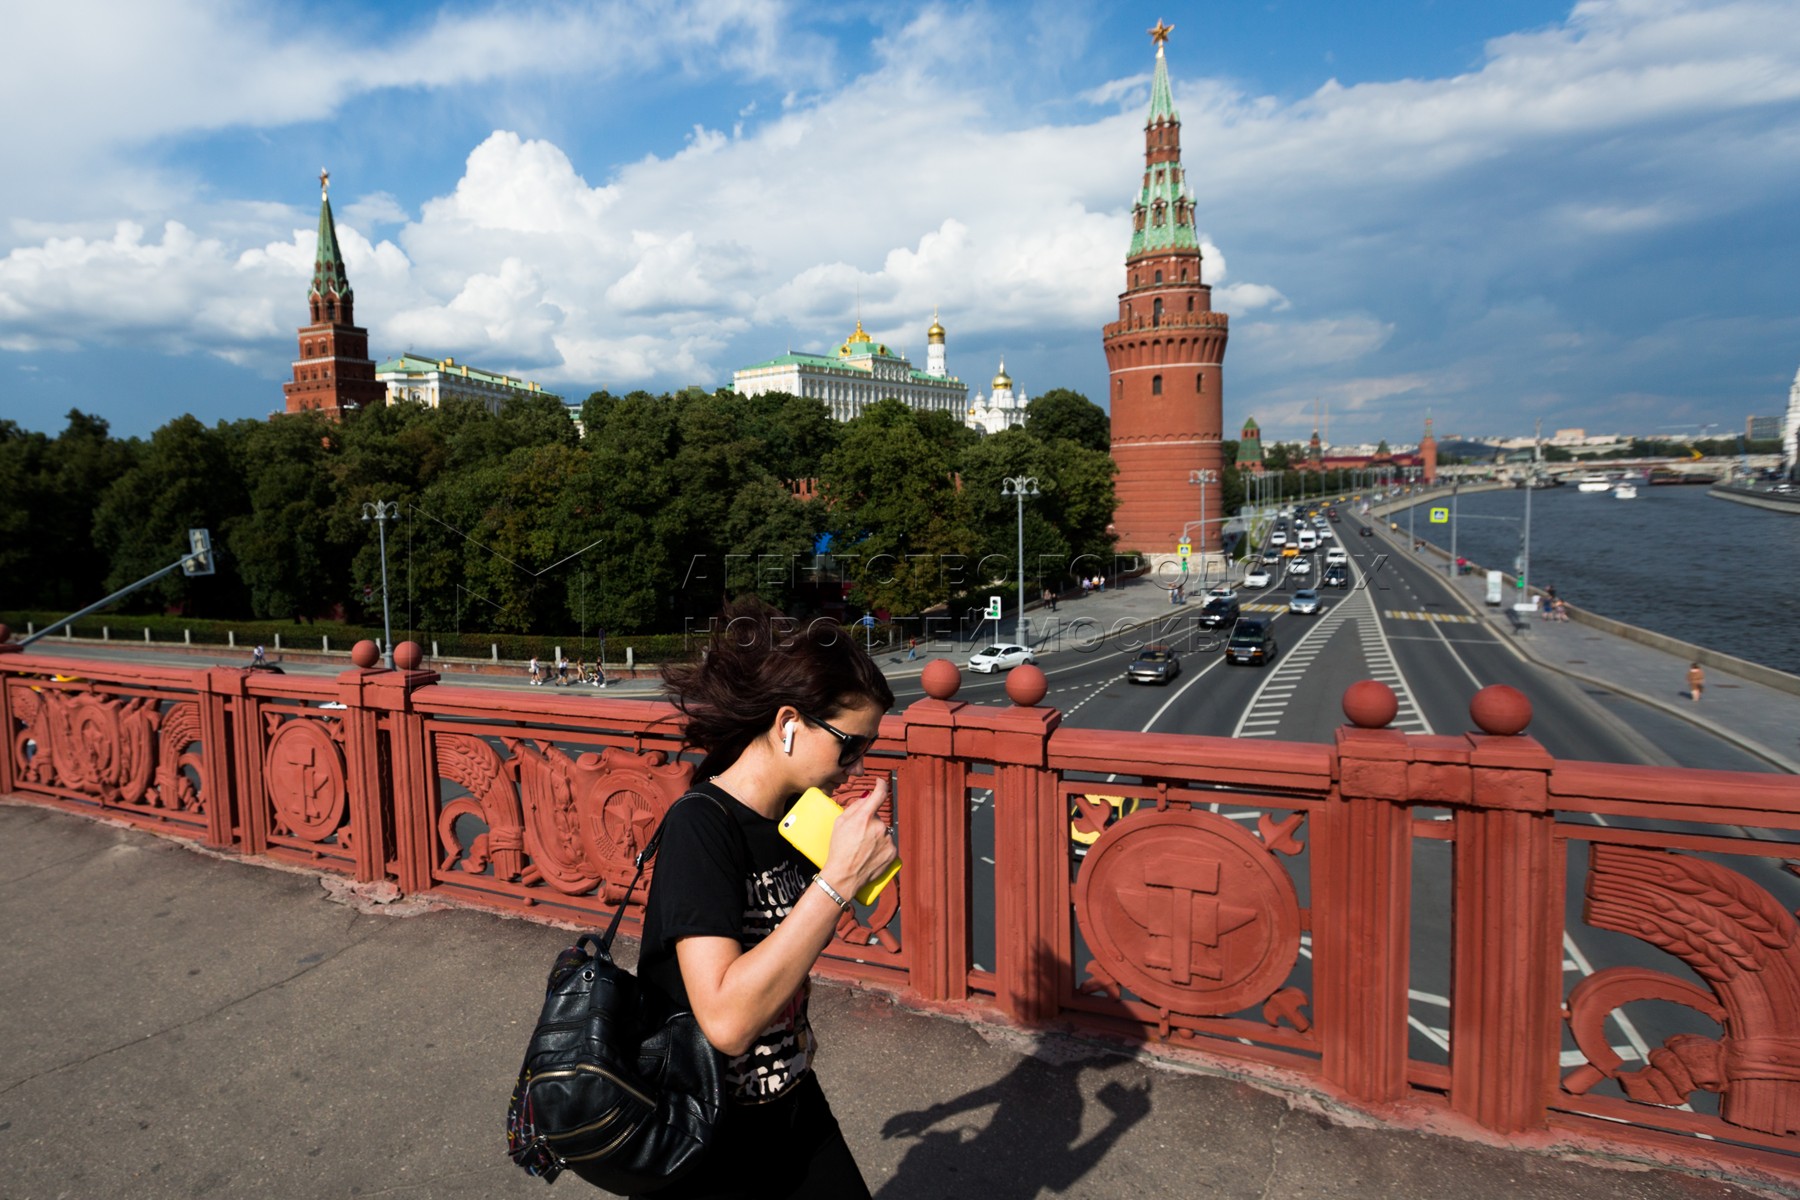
pixel 1306 601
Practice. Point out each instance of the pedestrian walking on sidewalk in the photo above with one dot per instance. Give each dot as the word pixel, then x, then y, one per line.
pixel 776 712
pixel 912 649
pixel 536 670
pixel 1696 681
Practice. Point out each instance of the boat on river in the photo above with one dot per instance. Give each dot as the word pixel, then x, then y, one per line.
pixel 1625 491
pixel 1594 482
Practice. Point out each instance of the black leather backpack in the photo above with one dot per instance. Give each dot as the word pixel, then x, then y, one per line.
pixel 626 1097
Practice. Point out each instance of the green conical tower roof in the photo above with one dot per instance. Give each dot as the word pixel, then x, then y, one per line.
pixel 328 262
pixel 1163 217
pixel 1162 99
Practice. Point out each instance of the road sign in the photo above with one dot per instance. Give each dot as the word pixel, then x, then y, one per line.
pixel 1185 549
pixel 1440 516
pixel 200 554
pixel 993 608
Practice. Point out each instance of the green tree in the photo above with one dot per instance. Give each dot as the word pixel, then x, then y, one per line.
pixel 895 513
pixel 283 547
pixel 1062 413
pixel 188 476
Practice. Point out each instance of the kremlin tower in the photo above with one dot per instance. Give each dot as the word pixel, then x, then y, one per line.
pixel 1428 453
pixel 1165 355
pixel 334 372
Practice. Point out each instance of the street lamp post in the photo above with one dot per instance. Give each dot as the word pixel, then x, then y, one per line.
pixel 381 512
pixel 1020 486
pixel 1205 479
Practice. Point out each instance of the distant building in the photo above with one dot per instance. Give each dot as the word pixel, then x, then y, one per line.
pixel 334 373
pixel 1762 429
pixel 1790 429
pixel 431 381
pixel 861 372
pixel 1250 451
pixel 1003 409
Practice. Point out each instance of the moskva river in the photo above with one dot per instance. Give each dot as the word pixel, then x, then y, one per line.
pixel 1721 575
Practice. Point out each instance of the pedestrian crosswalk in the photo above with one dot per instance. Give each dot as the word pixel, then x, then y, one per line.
pixel 1395 614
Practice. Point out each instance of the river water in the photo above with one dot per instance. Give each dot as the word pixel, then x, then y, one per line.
pixel 1674 560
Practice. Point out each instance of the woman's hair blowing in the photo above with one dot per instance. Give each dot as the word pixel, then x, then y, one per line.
pixel 756 661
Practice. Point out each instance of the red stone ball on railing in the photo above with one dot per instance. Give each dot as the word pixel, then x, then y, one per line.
pixel 1500 710
pixel 365 654
pixel 1026 685
pixel 408 656
pixel 1370 704
pixel 940 679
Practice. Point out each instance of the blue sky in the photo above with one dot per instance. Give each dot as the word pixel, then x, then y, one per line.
pixel 1492 212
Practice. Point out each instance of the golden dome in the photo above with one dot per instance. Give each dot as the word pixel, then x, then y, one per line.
pixel 936 332
pixel 1003 380
pixel 859 338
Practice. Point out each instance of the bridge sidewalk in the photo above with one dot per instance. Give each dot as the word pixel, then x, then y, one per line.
pixel 179 1024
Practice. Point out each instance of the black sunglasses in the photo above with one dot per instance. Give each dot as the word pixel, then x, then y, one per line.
pixel 851 746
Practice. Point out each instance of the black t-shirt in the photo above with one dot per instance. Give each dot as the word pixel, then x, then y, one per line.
pixel 712 880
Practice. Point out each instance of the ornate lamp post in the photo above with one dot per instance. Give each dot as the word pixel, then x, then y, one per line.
pixel 1020 486
pixel 381 512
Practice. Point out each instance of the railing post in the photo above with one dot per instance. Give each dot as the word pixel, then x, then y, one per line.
pixel 402 774
pixel 1031 848
pixel 365 771
pixel 218 778
pixel 934 844
pixel 236 773
pixel 1506 939
pixel 1361 904
pixel 7 780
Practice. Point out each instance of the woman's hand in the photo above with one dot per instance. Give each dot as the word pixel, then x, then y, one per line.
pixel 860 846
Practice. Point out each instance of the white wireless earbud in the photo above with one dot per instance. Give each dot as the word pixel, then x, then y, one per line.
pixel 787 739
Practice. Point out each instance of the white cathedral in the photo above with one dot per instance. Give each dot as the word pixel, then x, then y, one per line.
pixel 1004 407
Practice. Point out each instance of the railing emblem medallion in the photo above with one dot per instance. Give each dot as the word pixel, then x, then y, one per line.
pixel 305 776
pixel 1189 911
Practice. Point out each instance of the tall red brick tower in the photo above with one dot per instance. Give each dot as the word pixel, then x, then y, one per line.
pixel 1428 453
pixel 334 371
pixel 1165 354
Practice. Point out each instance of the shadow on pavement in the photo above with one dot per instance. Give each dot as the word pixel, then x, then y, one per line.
pixel 1033 1142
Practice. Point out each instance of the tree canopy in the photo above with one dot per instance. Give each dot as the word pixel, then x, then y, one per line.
pixel 652 514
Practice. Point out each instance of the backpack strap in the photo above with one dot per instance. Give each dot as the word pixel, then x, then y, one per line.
pixel 643 860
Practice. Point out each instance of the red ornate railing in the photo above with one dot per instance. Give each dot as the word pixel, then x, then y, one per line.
pixel 1282 909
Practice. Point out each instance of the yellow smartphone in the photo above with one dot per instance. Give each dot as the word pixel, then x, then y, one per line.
pixel 807 827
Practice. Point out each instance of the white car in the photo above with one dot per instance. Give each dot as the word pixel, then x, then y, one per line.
pixel 1001 657
pixel 1278 538
pixel 1219 593
pixel 1300 566
pixel 1337 556
pixel 1258 577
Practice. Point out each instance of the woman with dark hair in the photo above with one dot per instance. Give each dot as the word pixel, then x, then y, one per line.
pixel 736 916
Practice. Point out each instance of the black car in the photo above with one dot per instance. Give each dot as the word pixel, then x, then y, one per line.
pixel 1219 613
pixel 1154 664
pixel 1252 641
pixel 1336 577
pixel 1366 531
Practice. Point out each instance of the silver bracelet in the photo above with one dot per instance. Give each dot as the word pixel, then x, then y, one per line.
pixel 837 897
